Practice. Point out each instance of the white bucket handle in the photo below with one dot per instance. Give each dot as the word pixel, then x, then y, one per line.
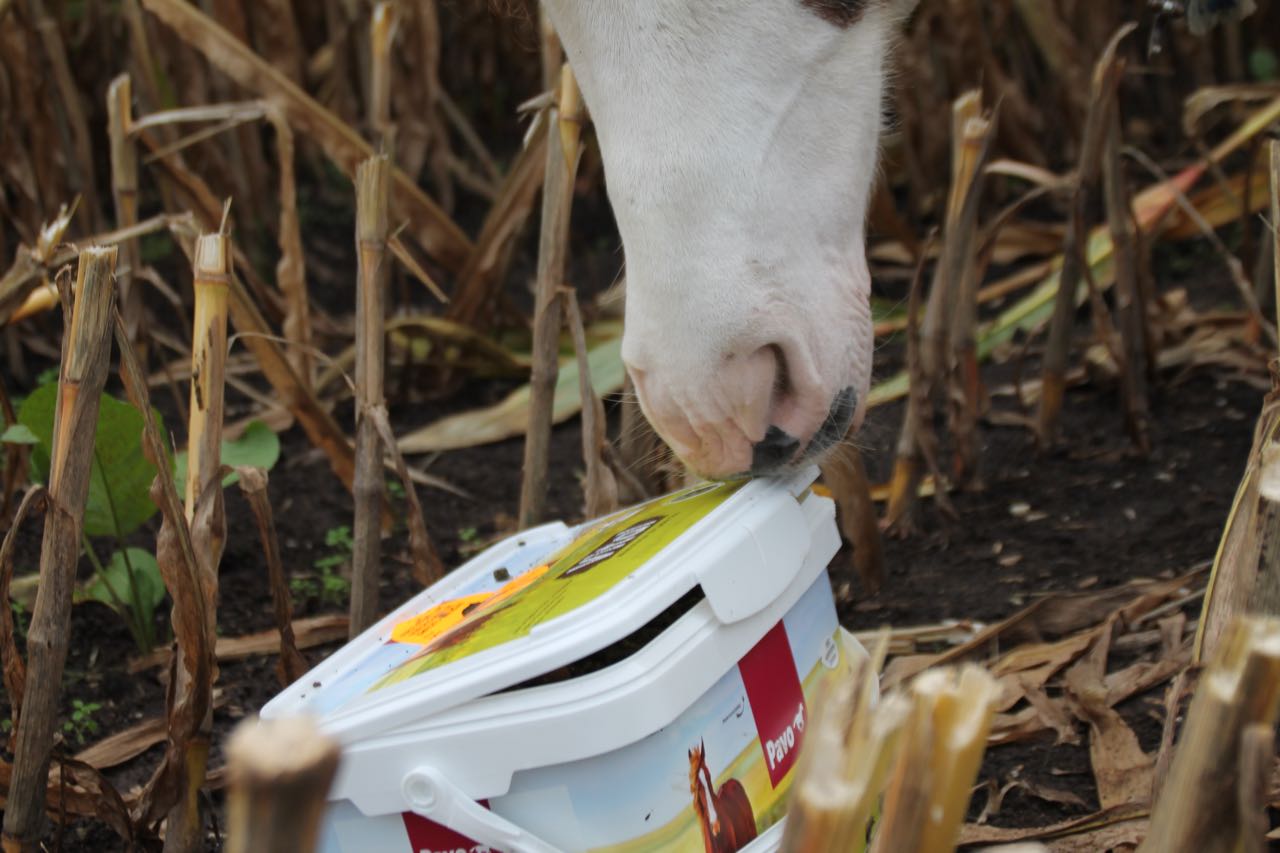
pixel 430 794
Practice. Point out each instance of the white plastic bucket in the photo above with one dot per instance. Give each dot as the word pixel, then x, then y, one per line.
pixel 637 683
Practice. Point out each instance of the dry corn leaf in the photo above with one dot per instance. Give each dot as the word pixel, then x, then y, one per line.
pixel 1119 837
pixel 1019 726
pixel 1036 663
pixel 1053 713
pixel 1095 829
pixel 1142 676
pixel 1052 795
pixel 308 633
pixel 116 749
pixel 1121 770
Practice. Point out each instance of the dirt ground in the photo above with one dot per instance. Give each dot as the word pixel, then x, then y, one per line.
pixel 1093 514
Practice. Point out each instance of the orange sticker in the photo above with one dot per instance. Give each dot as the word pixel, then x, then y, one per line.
pixel 426 626
pixel 518 583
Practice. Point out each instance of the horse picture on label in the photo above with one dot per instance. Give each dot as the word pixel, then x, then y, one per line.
pixel 725 815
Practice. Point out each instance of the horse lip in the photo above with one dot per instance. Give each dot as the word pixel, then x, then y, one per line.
pixel 774 451
pixel 777 452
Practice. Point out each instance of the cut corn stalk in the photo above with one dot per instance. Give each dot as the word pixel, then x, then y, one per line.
pixel 848 752
pixel 204 512
pixel 124 189
pixel 1246 576
pixel 85 361
pixel 1106 78
pixel 928 357
pixel 1131 307
pixel 280 772
pixel 291 275
pixel 599 487
pixel 548 315
pixel 372 182
pixel 943 742
pixel 1199 807
pixel 965 383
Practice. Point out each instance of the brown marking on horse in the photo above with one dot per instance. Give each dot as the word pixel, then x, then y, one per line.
pixel 725 816
pixel 842 13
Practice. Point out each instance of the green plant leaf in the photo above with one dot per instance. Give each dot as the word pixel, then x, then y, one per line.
pixel 1264 65
pixel 112 587
pixel 258 447
pixel 19 434
pixel 120 480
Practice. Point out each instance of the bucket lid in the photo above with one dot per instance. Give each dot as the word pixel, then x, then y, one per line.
pixel 548 597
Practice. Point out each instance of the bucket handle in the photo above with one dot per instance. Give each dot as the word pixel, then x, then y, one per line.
pixel 430 794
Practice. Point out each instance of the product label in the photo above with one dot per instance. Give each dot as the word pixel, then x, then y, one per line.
pixel 584 570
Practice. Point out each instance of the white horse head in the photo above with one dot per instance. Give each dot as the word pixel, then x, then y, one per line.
pixel 739 140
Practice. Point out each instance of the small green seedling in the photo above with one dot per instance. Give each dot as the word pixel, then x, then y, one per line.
pixel 330 586
pixel 82 725
pixel 19 619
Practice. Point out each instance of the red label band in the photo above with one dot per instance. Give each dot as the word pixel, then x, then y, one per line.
pixel 427 836
pixel 777 700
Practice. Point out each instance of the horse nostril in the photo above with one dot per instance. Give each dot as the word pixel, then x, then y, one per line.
pixel 782 375
pixel 773 451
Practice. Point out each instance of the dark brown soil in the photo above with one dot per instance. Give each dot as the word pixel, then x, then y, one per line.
pixel 1099 516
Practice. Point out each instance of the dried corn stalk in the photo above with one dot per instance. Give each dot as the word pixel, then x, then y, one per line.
pixel 1235 706
pixel 372 181
pixel 85 361
pixel 204 510
pixel 1106 78
pixel 280 772
pixel 553 246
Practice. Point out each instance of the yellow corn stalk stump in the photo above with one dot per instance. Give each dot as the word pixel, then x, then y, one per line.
pixel 1212 800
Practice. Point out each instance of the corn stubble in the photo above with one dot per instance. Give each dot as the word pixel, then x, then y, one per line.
pixel 1246 569
pixel 1106 79
pixel 372 182
pixel 85 363
pixel 897 769
pixel 1210 801
pixel 562 125
pixel 280 772
pixel 949 316
pixel 206 518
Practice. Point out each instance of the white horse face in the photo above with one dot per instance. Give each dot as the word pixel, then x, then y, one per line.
pixel 739 142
